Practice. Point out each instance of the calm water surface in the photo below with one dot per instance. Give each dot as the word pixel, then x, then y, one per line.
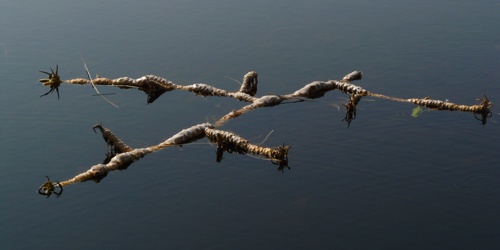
pixel 389 181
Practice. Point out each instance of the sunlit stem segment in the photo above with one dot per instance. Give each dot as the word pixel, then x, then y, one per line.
pixel 152 82
pixel 484 106
pixel 99 171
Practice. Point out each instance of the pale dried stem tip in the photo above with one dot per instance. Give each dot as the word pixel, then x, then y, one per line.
pixel 483 107
pixel 353 76
pixel 440 105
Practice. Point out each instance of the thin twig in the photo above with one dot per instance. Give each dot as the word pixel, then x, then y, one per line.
pixel 92 82
pixel 267 137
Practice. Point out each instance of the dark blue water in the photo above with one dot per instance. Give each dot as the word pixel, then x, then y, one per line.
pixel 389 181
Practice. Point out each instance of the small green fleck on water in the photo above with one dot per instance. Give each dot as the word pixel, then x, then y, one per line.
pixel 416 111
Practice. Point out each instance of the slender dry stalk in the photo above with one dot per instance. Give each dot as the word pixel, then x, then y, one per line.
pixel 90 78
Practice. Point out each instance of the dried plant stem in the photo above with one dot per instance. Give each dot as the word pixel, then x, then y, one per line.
pixel 185 136
pixel 151 82
pixel 99 171
pixel 484 106
pixel 129 155
pixel 225 137
pixel 248 89
pixel 125 155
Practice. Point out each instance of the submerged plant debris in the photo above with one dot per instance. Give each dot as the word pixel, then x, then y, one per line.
pixel 120 156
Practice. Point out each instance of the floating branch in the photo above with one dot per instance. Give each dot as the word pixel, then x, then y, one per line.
pixel 126 155
pixel 122 156
pixel 155 86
